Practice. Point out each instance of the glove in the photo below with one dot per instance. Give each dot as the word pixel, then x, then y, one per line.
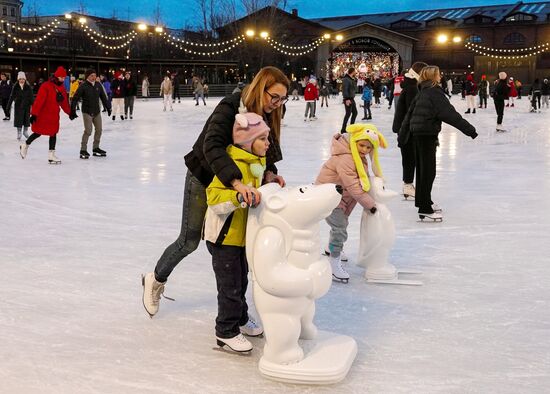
pixel 474 135
pixel 73 115
pixel 109 112
pixel 33 119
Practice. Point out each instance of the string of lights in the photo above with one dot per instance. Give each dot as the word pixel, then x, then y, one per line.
pixel 278 47
pixel 106 37
pixel 514 56
pixel 313 44
pixel 55 23
pixel 239 41
pixel 201 44
pixel 133 35
pixel 542 47
pixel 17 39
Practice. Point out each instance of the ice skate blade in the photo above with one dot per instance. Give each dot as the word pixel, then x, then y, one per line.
pixel 84 157
pixel 52 162
pixel 327 360
pixel 422 217
pixel 99 155
pixel 407 196
pixel 340 280
pixel 143 285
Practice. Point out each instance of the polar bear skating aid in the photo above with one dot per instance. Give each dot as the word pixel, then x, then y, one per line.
pixel 282 247
pixel 377 237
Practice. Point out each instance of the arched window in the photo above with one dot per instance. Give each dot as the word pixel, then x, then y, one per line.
pixel 514 38
pixel 474 38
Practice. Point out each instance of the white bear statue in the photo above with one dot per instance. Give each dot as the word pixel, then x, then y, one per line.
pixel 377 236
pixel 289 274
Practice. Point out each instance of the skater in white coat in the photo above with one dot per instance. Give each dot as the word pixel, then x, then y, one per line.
pixel 348 167
pixel 166 92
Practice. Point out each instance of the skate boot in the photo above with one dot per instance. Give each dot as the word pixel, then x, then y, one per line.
pixel 114 117
pixel 121 117
pixel 23 148
pixel 408 191
pixel 338 272
pixel 474 111
pixel 467 112
pixel 152 290
pixel 435 216
pixel 238 343
pixel 99 152
pixel 436 208
pixel 251 328
pixel 84 154
pixel 52 158
pixel 343 255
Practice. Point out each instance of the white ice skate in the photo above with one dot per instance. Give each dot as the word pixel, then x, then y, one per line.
pixel 152 290
pixel 251 328
pixel 436 208
pixel 435 216
pixel 23 148
pixel 343 255
pixel 500 129
pixel 338 272
pixel 238 343
pixel 408 191
pixel 52 158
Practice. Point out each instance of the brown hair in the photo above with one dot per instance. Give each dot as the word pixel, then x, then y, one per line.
pixel 429 73
pixel 253 95
pixel 418 66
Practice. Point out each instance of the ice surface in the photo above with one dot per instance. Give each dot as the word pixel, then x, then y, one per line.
pixel 76 237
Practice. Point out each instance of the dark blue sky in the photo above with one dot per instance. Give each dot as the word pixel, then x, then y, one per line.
pixel 177 13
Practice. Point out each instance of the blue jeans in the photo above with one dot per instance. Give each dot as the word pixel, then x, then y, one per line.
pixel 194 210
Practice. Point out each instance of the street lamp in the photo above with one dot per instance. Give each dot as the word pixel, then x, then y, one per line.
pixel 68 16
pixel 10 49
pixel 442 38
pixel 326 36
pixel 142 27
pixel 264 34
pixel 250 33
pixel 457 39
pixel 159 29
pixel 339 37
pixel 82 20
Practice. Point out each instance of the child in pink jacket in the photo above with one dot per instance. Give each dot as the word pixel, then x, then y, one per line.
pixel 348 167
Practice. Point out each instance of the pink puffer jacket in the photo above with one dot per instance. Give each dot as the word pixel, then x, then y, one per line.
pixel 340 169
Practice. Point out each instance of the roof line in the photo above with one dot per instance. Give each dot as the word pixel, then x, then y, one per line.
pixel 378 27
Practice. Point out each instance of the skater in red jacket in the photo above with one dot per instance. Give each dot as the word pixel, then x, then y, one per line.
pixel 45 113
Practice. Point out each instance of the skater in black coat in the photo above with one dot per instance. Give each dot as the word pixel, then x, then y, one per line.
pixel 430 108
pixel 22 96
pixel 409 91
pixel 501 94
pixel 265 96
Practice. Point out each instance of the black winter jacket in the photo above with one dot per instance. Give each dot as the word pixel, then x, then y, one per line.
pixel 545 89
pixel 90 95
pixel 130 88
pixel 502 90
pixel 5 89
pixel 23 99
pixel 409 91
pixel 349 87
pixel 430 108
pixel 209 157
pixel 118 88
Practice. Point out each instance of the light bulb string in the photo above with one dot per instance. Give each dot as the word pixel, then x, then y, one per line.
pixel 201 44
pixel 503 50
pixel 103 36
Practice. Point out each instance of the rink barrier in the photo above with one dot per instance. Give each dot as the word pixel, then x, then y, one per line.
pixel 187 91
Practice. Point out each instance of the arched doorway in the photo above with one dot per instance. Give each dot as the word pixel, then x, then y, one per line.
pixel 371 56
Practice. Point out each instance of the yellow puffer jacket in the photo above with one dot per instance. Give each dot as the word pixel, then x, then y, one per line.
pixel 74 88
pixel 225 222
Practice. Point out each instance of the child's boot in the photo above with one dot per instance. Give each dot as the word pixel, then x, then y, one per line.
pixel 338 272
pixel 408 190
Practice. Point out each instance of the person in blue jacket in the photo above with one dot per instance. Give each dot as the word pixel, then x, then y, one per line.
pixel 367 98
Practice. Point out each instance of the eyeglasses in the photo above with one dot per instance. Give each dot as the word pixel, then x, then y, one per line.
pixel 276 99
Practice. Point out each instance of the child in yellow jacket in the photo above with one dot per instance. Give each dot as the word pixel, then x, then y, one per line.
pixel 225 232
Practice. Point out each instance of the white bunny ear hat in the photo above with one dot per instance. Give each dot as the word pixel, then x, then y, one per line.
pixel 247 128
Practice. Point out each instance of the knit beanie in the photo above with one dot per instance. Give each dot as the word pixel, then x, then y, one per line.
pixel 412 74
pixel 247 128
pixel 60 72
pixel 502 75
pixel 366 131
pixel 21 75
pixel 89 72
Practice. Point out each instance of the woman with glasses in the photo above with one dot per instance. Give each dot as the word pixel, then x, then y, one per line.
pixel 265 96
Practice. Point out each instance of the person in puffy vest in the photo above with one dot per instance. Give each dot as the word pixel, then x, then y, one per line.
pixel 471 93
pixel 118 90
pixel 311 94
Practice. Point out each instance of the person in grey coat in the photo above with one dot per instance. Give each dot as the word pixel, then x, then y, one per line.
pixel 349 87
pixel 21 95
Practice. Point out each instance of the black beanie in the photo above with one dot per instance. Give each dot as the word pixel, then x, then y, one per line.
pixel 89 72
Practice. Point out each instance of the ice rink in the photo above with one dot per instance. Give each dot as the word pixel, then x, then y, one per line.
pixel 76 237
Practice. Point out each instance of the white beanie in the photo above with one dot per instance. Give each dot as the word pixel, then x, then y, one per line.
pixel 502 75
pixel 21 75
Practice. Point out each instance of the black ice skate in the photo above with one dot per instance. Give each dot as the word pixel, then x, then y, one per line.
pixel 99 152
pixel 84 154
